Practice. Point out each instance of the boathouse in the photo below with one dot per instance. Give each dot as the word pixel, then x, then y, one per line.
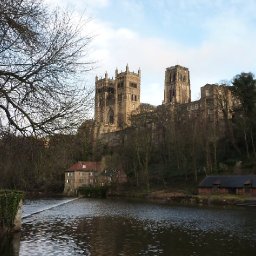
pixel 233 184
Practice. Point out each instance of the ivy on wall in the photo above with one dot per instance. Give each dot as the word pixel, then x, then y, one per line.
pixel 9 203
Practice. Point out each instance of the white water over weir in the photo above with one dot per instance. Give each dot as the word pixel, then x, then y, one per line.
pixel 48 207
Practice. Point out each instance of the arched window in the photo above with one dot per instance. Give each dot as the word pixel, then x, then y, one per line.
pixel 111 116
pixel 172 77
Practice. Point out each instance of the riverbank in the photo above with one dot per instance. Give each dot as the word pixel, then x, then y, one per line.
pixel 10 211
pixel 181 197
pixel 166 196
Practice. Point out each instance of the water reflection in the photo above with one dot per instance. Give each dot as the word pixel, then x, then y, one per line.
pixel 105 227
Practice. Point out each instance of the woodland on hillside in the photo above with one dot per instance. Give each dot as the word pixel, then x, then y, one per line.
pixel 38 164
pixel 166 147
pixel 179 150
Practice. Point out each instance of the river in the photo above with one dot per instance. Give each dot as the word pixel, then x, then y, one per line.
pixel 99 227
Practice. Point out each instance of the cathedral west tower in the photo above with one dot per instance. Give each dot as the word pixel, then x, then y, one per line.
pixel 115 100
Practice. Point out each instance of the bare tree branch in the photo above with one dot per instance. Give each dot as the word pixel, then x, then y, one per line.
pixel 41 67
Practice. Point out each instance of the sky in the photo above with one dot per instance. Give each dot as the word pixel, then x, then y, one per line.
pixel 214 39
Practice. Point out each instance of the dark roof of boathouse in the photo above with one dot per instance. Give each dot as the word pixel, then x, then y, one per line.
pixel 231 181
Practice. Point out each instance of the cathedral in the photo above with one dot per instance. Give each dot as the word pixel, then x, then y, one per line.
pixel 117 99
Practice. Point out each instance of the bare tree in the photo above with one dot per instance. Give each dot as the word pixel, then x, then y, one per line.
pixel 244 88
pixel 142 138
pixel 42 57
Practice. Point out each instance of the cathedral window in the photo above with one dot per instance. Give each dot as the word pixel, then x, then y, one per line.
pixel 110 99
pixel 172 94
pixel 134 97
pixel 111 116
pixel 119 97
pixel 110 90
pixel 120 84
pixel 101 102
pixel 133 85
pixel 172 77
pixel 207 93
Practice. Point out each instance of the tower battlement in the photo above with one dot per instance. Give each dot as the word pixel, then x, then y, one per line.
pixel 126 72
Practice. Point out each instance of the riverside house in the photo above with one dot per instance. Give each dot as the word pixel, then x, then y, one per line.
pixel 80 174
pixel 233 184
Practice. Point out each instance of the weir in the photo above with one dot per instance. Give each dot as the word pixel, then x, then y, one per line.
pixel 49 207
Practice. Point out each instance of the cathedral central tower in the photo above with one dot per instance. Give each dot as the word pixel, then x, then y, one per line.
pixel 177 85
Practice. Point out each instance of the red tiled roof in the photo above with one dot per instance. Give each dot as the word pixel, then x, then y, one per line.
pixel 84 166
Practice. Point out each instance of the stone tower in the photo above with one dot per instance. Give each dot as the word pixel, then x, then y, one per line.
pixel 177 85
pixel 115 99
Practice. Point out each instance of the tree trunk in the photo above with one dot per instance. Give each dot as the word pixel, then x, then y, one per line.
pixel 253 145
pixel 245 140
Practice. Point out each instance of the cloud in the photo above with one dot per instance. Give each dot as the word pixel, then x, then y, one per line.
pixel 77 4
pixel 224 48
pixel 97 3
pixel 225 52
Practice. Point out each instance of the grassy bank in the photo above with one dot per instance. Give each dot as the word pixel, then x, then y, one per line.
pixel 180 196
pixel 9 204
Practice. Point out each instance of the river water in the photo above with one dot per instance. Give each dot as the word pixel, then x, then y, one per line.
pixel 100 227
